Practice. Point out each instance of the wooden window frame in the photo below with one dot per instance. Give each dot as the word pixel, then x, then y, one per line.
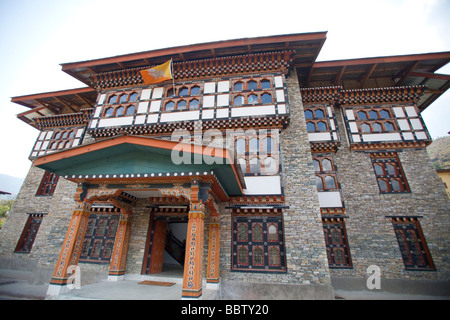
pixel 249 244
pixel 329 224
pixel 49 179
pixel 92 239
pixel 29 232
pixel 391 158
pixel 411 243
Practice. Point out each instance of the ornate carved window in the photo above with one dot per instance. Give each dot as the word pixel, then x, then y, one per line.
pixel 257 154
pixel 389 173
pixel 338 251
pixel 48 184
pixel 325 170
pixel 100 235
pixel 412 244
pixel 29 233
pixel 258 244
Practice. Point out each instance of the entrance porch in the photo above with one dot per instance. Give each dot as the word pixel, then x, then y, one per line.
pixel 141 168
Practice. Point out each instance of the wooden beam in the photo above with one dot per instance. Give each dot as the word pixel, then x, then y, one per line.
pixel 339 76
pixel 367 75
pixel 404 74
pixel 84 100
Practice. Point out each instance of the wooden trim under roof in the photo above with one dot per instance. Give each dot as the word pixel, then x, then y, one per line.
pixel 306 45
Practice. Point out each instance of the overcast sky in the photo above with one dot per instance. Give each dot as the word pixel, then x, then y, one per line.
pixel 37 35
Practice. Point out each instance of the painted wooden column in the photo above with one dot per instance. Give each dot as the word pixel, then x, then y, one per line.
pixel 119 256
pixel 213 269
pixel 193 262
pixel 70 251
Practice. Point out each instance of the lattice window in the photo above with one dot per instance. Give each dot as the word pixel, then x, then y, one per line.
pixel 48 184
pixel 389 173
pixel 29 233
pixel 412 244
pixel 99 239
pixel 325 171
pixel 258 154
pixel 338 251
pixel 258 244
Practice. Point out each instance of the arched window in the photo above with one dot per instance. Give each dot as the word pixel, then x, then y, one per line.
pixel 112 99
pixel 181 105
pixel 272 234
pixel 109 112
pixel 319 114
pixel 373 115
pixel 265 84
pixel 365 127
pixel 65 135
pixel 258 256
pixel 238 100
pixel 270 165
pixel 240 146
pixel 255 165
pixel 193 104
pixel 242 232
pixel 170 93
pixel 183 92
pixel 170 106
pixel 123 98
pixel 242 256
pixel 319 183
pixel 388 126
pixel 396 186
pixel 257 232
pixel 383 185
pixel 253 145
pixel 316 164
pixel 130 110
pixel 133 96
pixel 238 86
pixel 385 114
pixel 379 170
pixel 309 114
pixel 274 256
pixel 253 98
pixel 72 134
pixel 326 165
pixel 268 144
pixel 195 90
pixel 391 169
pixel 310 127
pixel 252 85
pixel 330 183
pixel 376 127
pixel 266 98
pixel 362 115
pixel 321 126
pixel 119 111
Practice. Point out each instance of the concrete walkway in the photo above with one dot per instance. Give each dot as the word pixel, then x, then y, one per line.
pixel 16 285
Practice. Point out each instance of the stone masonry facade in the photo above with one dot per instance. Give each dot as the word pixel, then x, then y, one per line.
pixel 371 236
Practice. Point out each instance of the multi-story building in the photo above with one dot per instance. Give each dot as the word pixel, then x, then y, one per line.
pixel 255 168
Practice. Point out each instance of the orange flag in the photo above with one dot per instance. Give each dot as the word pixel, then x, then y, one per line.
pixel 158 73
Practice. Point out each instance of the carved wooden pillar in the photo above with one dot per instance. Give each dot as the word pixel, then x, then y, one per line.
pixel 213 269
pixel 119 256
pixel 71 249
pixel 193 263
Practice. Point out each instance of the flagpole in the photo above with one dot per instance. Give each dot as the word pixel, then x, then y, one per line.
pixel 173 75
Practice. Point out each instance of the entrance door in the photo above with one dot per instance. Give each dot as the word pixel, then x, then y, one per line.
pixel 165 244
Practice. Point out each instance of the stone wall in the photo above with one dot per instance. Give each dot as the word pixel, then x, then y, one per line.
pixel 371 236
pixel 303 234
